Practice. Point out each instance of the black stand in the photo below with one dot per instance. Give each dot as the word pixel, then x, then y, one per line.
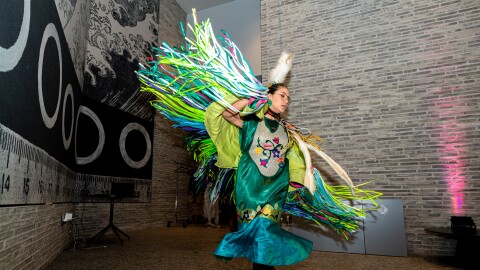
pixel 114 228
pixel 468 245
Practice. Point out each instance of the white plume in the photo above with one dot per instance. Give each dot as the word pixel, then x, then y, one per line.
pixel 279 73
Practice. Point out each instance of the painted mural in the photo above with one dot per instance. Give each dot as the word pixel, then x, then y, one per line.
pixel 56 143
pixel 121 33
pixel 74 16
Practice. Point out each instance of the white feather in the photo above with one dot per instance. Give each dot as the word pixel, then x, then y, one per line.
pixel 279 73
pixel 337 168
pixel 309 179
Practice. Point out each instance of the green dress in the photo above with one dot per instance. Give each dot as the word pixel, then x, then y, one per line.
pixel 260 192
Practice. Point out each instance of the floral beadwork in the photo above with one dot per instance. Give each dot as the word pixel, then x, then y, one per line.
pixel 268 148
pixel 246 215
pixel 263 162
pixel 271 212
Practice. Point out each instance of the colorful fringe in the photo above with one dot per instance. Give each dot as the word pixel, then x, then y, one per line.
pixel 223 179
pixel 187 79
pixel 326 205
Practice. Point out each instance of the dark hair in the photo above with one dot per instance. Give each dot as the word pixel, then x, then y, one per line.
pixel 274 87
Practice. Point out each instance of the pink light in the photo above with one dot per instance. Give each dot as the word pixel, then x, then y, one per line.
pixel 452 147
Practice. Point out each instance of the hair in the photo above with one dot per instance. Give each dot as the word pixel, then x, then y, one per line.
pixel 274 87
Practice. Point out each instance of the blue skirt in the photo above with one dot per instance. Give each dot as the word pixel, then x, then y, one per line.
pixel 264 241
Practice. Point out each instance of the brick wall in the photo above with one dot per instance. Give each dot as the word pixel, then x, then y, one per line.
pixel 393 88
pixel 31 236
pixel 170 149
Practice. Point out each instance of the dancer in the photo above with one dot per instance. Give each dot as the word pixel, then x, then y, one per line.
pixel 234 123
pixel 261 187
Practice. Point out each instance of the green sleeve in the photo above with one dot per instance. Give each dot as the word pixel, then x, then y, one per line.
pixel 224 135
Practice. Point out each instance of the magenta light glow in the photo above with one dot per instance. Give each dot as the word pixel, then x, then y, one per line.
pixel 452 147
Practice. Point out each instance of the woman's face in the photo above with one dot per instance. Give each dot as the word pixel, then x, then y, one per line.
pixel 280 100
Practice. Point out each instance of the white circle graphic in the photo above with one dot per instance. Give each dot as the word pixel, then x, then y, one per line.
pixel 50 31
pixel 68 92
pixel 101 136
pixel 9 57
pixel 148 151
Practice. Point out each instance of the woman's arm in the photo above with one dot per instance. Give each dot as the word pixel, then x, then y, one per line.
pixel 234 117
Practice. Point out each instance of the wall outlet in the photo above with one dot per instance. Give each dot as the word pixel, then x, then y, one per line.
pixel 67 217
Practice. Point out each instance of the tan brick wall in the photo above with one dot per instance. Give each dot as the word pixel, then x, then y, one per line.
pixel 393 88
pixel 31 236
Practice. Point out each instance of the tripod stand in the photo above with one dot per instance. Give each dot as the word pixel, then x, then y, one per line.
pixel 110 225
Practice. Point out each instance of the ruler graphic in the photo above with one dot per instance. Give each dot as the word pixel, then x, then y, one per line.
pixel 29 175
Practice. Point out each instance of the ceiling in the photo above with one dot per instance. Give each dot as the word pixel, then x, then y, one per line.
pixel 187 5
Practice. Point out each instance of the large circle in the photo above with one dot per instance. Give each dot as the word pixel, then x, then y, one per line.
pixel 68 92
pixel 148 151
pixel 9 57
pixel 50 31
pixel 101 136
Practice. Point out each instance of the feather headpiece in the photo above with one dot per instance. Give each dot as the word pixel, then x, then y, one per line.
pixel 279 73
